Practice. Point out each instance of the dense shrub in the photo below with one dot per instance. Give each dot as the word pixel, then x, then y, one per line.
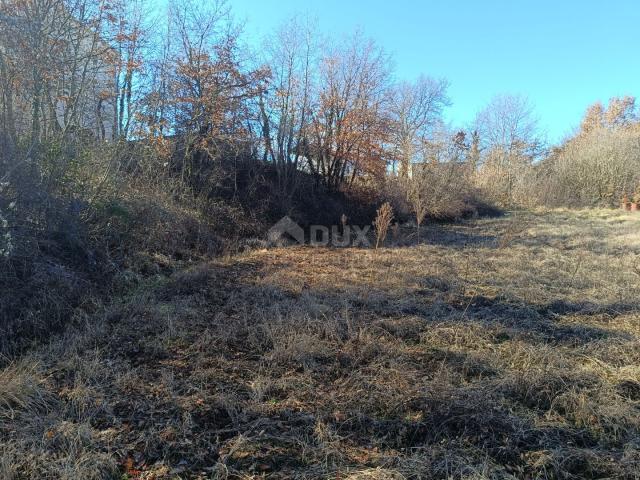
pixel 445 191
pixel 94 214
pixel 595 168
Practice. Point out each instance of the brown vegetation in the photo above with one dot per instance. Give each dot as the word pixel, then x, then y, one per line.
pixel 495 349
pixel 382 222
pixel 147 332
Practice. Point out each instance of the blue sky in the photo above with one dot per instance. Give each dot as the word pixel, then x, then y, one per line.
pixel 562 54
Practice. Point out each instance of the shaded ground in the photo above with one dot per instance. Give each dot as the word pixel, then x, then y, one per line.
pixel 497 348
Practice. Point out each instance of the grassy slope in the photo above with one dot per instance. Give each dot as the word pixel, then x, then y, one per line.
pixel 497 348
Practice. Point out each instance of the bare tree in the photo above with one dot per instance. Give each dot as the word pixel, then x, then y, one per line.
pixel 286 106
pixel 511 142
pixel 508 123
pixel 415 109
pixel 211 92
pixel 59 66
pixel 154 114
pixel 349 128
pixel 127 34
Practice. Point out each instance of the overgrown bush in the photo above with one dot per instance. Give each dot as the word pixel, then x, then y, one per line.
pixel 508 180
pixel 596 168
pixel 442 191
pixel 76 217
pixel 93 215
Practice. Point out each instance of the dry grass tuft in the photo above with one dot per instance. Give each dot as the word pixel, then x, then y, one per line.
pixel 21 392
pixel 382 222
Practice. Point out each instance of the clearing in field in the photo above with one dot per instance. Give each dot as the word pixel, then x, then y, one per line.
pixel 498 348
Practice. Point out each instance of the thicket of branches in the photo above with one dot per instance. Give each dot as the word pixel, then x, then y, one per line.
pixel 100 98
pixel 75 73
pixel 600 164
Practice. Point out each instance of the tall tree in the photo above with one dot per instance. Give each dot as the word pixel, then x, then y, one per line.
pixel 593 118
pixel 621 112
pixel 211 90
pixel 349 127
pixel 127 34
pixel 473 156
pixel 286 106
pixel 415 109
pixel 510 139
pixel 508 123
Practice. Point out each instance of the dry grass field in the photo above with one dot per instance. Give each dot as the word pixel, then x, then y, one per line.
pixel 495 348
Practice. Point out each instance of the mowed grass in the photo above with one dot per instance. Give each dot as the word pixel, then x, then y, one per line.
pixel 494 348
